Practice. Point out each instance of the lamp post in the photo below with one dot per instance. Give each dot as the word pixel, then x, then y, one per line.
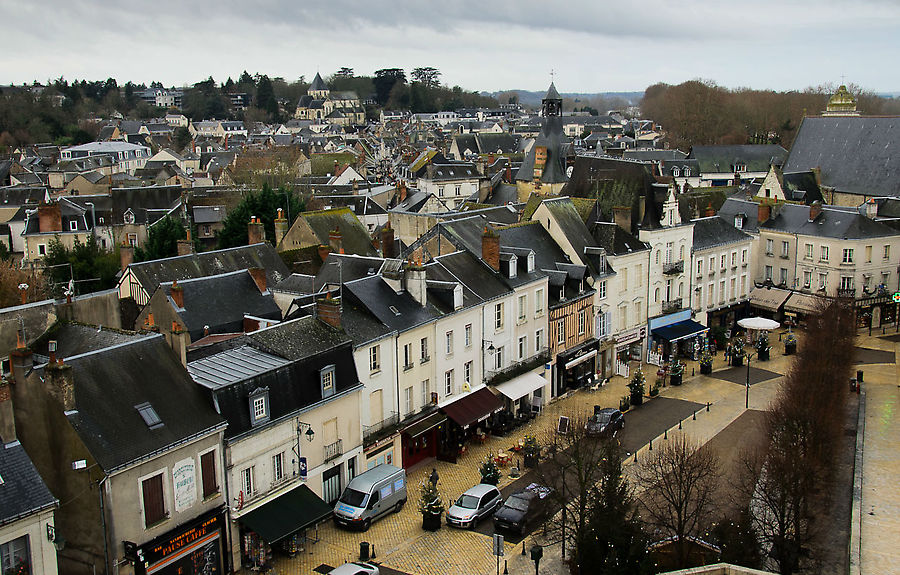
pixel 490 350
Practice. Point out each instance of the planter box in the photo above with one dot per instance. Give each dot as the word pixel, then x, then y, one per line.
pixel 737 361
pixel 763 354
pixel 790 348
pixel 431 522
pixel 637 399
pixel 531 461
pixel 675 379
pixel 705 369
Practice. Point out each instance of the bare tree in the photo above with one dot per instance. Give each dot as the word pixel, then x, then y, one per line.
pixel 678 480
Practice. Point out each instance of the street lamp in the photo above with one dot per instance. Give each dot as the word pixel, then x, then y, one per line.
pixel 755 324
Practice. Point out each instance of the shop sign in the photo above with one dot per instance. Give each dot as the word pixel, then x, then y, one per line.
pixel 184 480
pixel 186 551
pixel 896 297
pixel 303 468
pixel 632 335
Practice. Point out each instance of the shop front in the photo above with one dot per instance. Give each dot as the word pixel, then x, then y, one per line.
pixel 629 347
pixel 577 367
pixel 193 548
pixel 471 417
pixel 769 302
pixel 421 438
pixel 523 397
pixel 286 524
pixel 877 310
pixel 675 335
pixel 800 306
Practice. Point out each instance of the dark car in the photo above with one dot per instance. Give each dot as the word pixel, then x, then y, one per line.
pixel 521 509
pixel 607 421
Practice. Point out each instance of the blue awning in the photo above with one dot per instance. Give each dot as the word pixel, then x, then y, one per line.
pixel 680 330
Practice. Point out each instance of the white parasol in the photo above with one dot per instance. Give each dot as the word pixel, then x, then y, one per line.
pixel 758 323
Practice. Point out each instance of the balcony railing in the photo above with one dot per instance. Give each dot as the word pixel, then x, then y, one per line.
pixel 846 292
pixel 672 305
pixel 372 433
pixel 334 450
pixel 517 368
pixel 673 267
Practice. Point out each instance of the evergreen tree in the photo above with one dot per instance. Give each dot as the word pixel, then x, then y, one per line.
pixel 263 204
pixel 162 240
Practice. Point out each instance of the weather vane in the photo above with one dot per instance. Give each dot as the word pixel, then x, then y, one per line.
pixel 552 74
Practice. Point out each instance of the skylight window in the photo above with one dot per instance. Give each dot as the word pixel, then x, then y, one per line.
pixel 395 310
pixel 148 414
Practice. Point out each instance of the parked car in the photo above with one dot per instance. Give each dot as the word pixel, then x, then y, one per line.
pixel 370 495
pixel 521 509
pixel 607 421
pixel 475 504
pixel 355 568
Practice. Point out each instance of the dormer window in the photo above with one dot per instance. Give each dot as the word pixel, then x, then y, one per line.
pixel 530 262
pixel 259 406
pixel 738 221
pixel 676 172
pixel 149 415
pixel 513 266
pixel 687 172
pixel 740 167
pixel 128 216
pixel 326 380
pixel 562 293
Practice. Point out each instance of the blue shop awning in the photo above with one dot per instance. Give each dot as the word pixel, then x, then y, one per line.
pixel 680 330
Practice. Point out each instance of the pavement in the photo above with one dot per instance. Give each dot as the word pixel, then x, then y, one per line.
pixel 402 546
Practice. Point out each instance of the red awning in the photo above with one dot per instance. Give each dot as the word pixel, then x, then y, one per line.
pixel 476 406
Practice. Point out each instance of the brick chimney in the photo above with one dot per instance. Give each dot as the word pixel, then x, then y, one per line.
pixel 7 414
pixel 335 240
pixel 402 191
pixel 177 293
pixel 186 246
pixel 60 383
pixel 21 359
pixel 281 226
pixel 126 255
pixel 328 310
pixel 49 218
pixel 259 276
pixel 709 212
pixel 324 251
pixel 763 212
pixel 387 241
pixel 815 209
pixel 490 248
pixel 179 342
pixel 256 231
pixel 508 177
pixel 622 217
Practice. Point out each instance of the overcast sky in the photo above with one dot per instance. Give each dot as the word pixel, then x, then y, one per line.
pixel 592 45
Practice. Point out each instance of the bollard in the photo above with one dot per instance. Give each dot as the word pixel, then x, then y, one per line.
pixel 651 446
pixel 695 415
pixel 666 434
pixel 707 407
pixel 679 424
pixel 692 372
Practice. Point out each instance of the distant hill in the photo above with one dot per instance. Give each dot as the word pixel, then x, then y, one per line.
pixel 531 99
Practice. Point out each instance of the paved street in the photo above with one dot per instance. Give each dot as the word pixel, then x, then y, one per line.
pixel 400 543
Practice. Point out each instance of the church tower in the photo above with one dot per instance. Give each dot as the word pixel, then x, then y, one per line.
pixel 551 105
pixel 543 170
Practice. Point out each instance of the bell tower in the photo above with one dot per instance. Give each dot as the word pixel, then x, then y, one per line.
pixel 551 105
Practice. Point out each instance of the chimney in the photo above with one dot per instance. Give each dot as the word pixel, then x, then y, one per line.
pixel 51 346
pixel 508 173
pixel 490 248
pixel 328 310
pixel 60 383
pixel 281 227
pixel 256 231
pixel 186 246
pixel 7 414
pixel 815 209
pixel 23 294
pixel 709 211
pixel 49 218
pixel 387 241
pixel 871 209
pixel 324 251
pixel 763 212
pixel 179 342
pixel 21 359
pixel 402 191
pixel 415 284
pixel 622 217
pixel 259 276
pixel 335 241
pixel 126 255
pixel 177 293
pixel 355 186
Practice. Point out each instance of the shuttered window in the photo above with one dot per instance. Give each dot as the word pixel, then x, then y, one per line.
pixel 154 502
pixel 208 469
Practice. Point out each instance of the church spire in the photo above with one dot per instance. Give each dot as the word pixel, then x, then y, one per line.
pixel 551 105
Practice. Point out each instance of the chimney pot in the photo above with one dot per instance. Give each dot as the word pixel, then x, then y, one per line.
pixel 256 231
pixel 177 293
pixel 815 209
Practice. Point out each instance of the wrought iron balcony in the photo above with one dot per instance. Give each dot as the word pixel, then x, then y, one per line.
pixel 383 428
pixel 334 450
pixel 672 305
pixel 846 292
pixel 671 268
pixel 518 368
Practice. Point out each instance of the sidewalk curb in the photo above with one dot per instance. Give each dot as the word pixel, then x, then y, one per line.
pixel 856 510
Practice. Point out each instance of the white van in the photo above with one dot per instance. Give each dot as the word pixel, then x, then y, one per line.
pixel 370 495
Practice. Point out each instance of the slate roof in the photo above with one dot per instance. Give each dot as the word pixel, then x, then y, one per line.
pixel 152 273
pixel 318 83
pixel 209 214
pixel 533 236
pixel 756 157
pixel 116 379
pixel 233 365
pixel 296 283
pixel 558 148
pixel 654 155
pixel 615 240
pixel 856 154
pixel 76 339
pixel 571 224
pixel 347 267
pixel 19 196
pixel 552 94
pixel 298 339
pixel 22 490
pixel 714 231
pixel 735 206
pixel 801 186
pixel 378 298
pixel 443 172
pixel 148 204
pixel 221 301
pixel 355 238
pixel 613 182
pixel 475 276
pixel 833 222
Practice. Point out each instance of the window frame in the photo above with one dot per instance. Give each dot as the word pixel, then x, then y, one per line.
pixel 374 359
pixel 209 485
pixel 162 514
pixel 259 397
pixel 329 388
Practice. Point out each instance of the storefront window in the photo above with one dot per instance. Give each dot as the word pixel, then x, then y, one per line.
pixel 15 558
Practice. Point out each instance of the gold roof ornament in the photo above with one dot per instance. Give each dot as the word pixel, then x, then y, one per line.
pixel 841 103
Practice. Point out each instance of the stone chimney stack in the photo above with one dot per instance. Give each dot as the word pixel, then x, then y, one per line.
pixel 281 227
pixel 186 246
pixel 328 310
pixel 490 248
pixel 709 212
pixel 815 209
pixel 387 241
pixel 126 255
pixel 763 212
pixel 179 342
pixel 871 209
pixel 414 280
pixel 7 414
pixel 335 240
pixel 259 276
pixel 324 251
pixel 256 231
pixel 622 217
pixel 60 383
pixel 49 218
pixel 177 293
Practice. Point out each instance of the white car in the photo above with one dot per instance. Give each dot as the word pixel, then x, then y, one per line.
pixel 475 504
pixel 355 568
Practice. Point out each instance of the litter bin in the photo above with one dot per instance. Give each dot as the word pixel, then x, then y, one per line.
pixel 363 550
pixel 852 384
pixel 859 375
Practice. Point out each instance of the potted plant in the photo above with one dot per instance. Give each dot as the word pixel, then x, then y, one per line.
pixel 636 388
pixel 677 372
pixel 531 451
pixel 706 362
pixel 790 344
pixel 762 347
pixel 624 404
pixel 654 390
pixel 430 506
pixel 490 473
pixel 737 351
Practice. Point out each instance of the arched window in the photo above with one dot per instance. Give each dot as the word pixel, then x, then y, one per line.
pixel 681 253
pixel 656 295
pixel 687 172
pixel 676 172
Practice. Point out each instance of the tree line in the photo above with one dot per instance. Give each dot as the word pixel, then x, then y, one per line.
pixel 699 112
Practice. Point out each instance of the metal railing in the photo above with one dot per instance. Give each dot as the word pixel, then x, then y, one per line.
pixel 672 305
pixel 517 368
pixel 673 267
pixel 392 420
pixel 334 450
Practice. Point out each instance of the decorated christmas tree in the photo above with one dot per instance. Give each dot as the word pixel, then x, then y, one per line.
pixel 430 502
pixel 490 473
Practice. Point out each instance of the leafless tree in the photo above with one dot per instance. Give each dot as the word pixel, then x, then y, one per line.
pixel 678 482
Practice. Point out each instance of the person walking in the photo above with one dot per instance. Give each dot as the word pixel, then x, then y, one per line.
pixel 434 477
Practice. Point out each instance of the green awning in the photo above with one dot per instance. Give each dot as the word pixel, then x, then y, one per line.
pixel 287 514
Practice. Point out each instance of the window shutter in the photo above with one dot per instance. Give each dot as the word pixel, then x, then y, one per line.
pixel 154 502
pixel 208 469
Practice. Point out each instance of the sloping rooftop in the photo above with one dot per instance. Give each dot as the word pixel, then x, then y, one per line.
pixel 715 231
pixel 233 365
pixel 755 157
pixel 22 490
